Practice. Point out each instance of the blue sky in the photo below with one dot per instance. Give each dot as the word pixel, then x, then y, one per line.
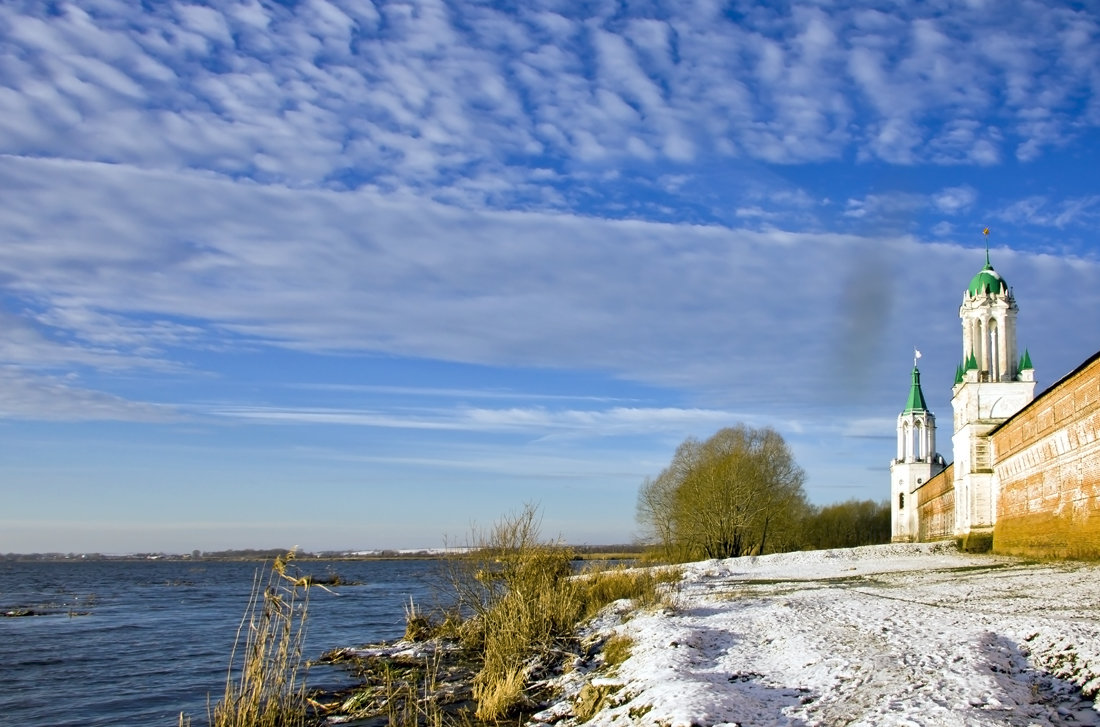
pixel 367 274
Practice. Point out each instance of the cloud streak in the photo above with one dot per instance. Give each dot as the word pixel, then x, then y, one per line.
pixel 617 421
pixel 354 271
pixel 117 281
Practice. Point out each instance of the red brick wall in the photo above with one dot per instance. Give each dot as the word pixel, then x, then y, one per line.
pixel 1047 459
pixel 936 507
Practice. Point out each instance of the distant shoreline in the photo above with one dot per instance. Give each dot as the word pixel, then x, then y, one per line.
pixel 581 552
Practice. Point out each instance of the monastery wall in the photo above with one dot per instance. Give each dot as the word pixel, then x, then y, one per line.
pixel 936 507
pixel 1047 461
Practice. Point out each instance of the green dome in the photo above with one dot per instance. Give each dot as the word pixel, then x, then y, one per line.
pixel 987 281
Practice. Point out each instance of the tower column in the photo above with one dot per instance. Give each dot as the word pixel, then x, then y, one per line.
pixel 988 314
pixel 1002 351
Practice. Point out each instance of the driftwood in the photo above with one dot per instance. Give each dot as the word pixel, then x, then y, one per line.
pixel 23 612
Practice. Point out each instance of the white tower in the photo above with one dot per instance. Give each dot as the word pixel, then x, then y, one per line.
pixel 916 463
pixel 990 386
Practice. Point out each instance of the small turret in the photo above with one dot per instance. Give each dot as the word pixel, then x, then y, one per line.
pixel 916 461
pixel 916 396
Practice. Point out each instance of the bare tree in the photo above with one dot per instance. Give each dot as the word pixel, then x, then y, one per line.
pixel 847 525
pixel 657 502
pixel 738 492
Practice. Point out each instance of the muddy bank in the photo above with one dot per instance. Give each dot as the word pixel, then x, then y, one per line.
pixel 401 682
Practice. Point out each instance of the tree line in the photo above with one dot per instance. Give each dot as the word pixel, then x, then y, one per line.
pixel 740 492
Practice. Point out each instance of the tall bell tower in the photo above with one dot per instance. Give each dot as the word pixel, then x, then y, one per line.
pixel 991 385
pixel 916 463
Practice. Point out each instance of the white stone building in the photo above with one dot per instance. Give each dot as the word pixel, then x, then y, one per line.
pixel 991 384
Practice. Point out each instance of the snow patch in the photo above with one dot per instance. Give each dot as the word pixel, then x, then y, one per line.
pixel 900 634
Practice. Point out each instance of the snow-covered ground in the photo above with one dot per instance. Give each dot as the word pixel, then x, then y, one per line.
pixel 883 635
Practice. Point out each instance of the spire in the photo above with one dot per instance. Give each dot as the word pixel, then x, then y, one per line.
pixel 988 281
pixel 916 396
pixel 1025 361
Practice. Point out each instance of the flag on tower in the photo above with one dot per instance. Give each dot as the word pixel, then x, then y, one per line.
pixel 916 355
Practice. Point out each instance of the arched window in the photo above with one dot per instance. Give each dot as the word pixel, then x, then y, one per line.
pixel 994 352
pixel 976 341
pixel 901 500
pixel 980 346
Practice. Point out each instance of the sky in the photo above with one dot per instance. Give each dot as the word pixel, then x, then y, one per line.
pixel 353 275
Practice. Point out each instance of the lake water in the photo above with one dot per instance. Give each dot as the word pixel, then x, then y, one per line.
pixel 156 636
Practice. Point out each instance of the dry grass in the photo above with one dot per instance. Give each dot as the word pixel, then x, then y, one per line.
pixel 406 694
pixel 641 585
pixel 268 691
pixel 616 649
pixel 418 627
pixel 410 702
pixel 524 600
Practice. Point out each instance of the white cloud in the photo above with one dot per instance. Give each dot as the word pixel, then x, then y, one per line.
pixel 63 337
pixel 965 141
pixel 943 229
pixel 325 90
pixel 29 396
pixel 893 207
pixel 730 314
pixel 447 392
pixel 205 21
pixel 887 206
pixel 617 421
pixel 531 189
pixel 952 200
pixel 1041 211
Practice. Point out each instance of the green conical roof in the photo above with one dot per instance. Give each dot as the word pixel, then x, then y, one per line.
pixel 1025 361
pixel 916 396
pixel 960 374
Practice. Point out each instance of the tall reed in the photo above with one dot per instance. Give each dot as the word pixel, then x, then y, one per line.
pixel 269 689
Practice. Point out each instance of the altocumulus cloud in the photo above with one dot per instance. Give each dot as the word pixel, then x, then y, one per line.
pixel 433 95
